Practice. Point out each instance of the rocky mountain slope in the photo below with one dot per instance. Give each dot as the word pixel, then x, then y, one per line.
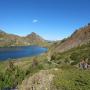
pixel 79 37
pixel 15 40
pixel 34 38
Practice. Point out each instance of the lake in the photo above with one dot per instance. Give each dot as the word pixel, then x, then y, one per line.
pixel 20 51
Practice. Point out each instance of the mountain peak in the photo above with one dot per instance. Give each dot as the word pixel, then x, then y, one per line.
pixel 35 38
pixel 1 31
pixel 33 33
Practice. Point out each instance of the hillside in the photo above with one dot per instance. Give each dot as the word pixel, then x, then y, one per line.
pixel 15 40
pixel 79 37
pixel 72 56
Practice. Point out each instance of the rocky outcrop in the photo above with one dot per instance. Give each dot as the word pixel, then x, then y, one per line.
pixel 39 81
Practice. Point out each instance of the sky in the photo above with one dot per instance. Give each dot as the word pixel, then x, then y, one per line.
pixel 51 19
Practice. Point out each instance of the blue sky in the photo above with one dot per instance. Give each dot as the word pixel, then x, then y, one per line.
pixel 51 19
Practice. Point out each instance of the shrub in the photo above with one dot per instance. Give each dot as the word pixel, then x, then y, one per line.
pixel 11 77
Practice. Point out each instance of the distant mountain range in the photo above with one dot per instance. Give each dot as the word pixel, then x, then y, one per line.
pixel 79 37
pixel 15 40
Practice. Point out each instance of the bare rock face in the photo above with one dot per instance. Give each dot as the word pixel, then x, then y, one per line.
pixel 39 81
pixel 79 37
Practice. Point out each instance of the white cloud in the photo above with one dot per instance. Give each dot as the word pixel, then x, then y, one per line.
pixel 34 21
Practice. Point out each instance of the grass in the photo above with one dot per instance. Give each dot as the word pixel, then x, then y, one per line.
pixel 70 78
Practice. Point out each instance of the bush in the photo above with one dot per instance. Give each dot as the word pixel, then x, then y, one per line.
pixel 11 77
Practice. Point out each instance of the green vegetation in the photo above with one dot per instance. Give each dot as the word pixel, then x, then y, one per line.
pixel 12 73
pixel 73 56
pixel 66 75
pixel 11 77
pixel 71 78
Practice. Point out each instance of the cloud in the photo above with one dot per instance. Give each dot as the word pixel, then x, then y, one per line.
pixel 34 21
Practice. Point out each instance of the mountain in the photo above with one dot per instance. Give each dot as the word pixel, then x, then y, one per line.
pixel 79 37
pixel 11 40
pixel 15 40
pixel 2 32
pixel 34 38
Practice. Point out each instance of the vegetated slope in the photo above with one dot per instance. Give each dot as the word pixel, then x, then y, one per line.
pixel 71 78
pixel 15 40
pixel 79 37
pixel 72 56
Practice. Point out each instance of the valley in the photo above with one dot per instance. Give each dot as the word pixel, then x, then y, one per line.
pixel 57 69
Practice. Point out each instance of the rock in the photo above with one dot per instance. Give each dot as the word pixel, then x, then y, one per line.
pixel 39 81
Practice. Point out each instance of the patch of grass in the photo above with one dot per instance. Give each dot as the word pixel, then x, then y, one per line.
pixel 71 79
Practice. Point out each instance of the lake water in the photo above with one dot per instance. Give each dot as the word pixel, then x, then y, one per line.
pixel 20 51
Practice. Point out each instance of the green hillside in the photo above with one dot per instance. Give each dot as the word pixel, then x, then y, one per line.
pixel 72 56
